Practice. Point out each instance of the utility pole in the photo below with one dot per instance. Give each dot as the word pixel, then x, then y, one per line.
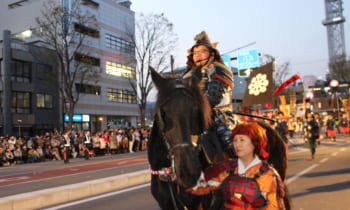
pixel 172 63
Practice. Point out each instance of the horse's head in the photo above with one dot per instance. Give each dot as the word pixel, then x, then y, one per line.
pixel 182 114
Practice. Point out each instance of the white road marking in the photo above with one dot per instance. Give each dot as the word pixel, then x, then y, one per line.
pixel 324 160
pixel 14 178
pixel 293 178
pixel 98 197
pixel 301 173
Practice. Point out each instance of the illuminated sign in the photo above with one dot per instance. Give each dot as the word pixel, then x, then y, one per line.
pixel 78 118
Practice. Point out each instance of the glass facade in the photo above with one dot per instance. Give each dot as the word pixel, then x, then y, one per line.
pixel 119 44
pixel 120 70
pixel 121 96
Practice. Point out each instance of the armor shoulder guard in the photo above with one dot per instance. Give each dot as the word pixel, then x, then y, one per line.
pixel 220 81
pixel 223 73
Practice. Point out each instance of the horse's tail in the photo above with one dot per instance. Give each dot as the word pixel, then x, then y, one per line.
pixel 278 158
pixel 277 150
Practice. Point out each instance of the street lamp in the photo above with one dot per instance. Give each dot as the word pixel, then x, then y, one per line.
pixel 307 102
pixel 334 84
pixel 19 127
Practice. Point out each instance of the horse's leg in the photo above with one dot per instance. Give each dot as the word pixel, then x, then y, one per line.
pixel 213 201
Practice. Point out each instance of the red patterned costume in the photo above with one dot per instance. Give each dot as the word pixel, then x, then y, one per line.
pixel 260 187
pixel 248 181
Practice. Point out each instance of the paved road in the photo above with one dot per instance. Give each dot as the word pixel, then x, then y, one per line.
pixel 322 183
pixel 32 177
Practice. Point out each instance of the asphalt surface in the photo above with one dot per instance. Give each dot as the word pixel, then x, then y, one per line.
pixel 32 186
pixel 27 182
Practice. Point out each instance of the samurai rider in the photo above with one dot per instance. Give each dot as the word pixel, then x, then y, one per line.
pixel 217 84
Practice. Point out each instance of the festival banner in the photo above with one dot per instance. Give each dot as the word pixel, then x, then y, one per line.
pixel 259 88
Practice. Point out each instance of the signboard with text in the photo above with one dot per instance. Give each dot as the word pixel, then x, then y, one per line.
pixel 227 60
pixel 248 59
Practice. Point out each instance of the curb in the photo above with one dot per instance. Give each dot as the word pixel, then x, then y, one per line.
pixel 66 193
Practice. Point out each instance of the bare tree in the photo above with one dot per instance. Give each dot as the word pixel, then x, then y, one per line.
pixel 340 69
pixel 281 71
pixel 67 32
pixel 154 41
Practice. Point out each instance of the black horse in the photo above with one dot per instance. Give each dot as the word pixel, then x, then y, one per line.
pixel 175 151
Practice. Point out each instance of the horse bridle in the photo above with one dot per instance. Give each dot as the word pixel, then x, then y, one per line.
pixel 194 138
pixel 168 173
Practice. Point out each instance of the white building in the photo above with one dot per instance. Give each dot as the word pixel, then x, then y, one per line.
pixel 111 102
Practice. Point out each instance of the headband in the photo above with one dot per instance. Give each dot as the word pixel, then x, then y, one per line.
pixel 244 132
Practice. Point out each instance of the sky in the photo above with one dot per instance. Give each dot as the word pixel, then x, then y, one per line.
pixel 289 30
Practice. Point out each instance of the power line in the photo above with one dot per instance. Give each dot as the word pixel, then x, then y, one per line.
pixel 244 46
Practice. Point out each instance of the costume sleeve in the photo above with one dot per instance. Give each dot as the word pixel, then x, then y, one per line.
pixel 216 170
pixel 270 188
pixel 220 82
pixel 213 178
pixel 205 188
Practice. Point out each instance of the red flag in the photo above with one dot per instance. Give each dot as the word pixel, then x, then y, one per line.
pixel 286 84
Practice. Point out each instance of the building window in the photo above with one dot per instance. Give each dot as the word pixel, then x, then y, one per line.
pixel 21 102
pixel 86 30
pixel 119 44
pixel 88 89
pixel 44 101
pixel 120 70
pixel 44 72
pixel 21 71
pixel 87 59
pixel 121 96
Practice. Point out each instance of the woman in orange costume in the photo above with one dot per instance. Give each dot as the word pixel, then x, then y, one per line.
pixel 248 181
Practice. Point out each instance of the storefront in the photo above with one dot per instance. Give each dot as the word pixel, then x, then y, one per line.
pixel 80 122
pixel 96 123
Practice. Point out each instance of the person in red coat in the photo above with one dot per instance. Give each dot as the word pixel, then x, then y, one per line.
pixel 248 181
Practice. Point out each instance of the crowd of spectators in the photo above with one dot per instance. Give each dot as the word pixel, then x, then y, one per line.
pixel 339 124
pixel 51 146
pixel 330 124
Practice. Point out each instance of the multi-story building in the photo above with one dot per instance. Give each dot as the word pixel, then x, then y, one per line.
pixel 109 103
pixel 29 98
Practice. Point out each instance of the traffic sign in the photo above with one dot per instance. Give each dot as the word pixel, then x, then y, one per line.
pixel 227 60
pixel 244 72
pixel 248 59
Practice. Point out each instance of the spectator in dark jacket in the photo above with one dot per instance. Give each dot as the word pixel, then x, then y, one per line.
pixel 282 126
pixel 312 133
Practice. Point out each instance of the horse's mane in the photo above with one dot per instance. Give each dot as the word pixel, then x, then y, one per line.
pixel 194 90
